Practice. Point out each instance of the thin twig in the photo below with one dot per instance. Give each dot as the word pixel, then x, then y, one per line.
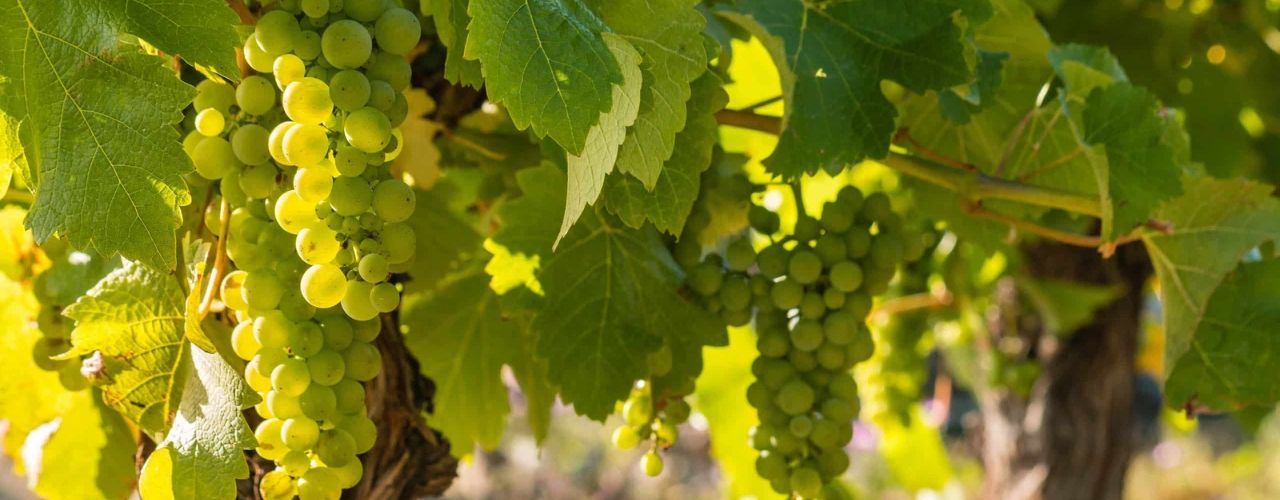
pixel 242 10
pixel 1074 239
pixel 472 145
pixel 763 103
pixel 220 259
pixel 903 136
pixel 798 193
pixel 1013 142
pixel 1055 163
pixel 915 302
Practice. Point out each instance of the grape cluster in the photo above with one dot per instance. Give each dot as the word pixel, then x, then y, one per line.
pixel 316 225
pixel 653 420
pixel 809 294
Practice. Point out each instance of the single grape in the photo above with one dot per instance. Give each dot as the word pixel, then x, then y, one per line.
pixel 350 196
pixel 293 213
pixel 840 327
pixel 349 475
pixel 249 142
pixel 806 482
pixel 282 405
pixel 210 122
pixel 324 285
pixel 257 58
pixel 305 339
pixel 277 485
pixel 362 429
pixel 314 8
pixel 270 442
pixel 349 90
pixel 772 261
pixel 214 158
pixel 625 437
pixel 384 297
pixel 327 367
pixel 763 220
pixel 320 483
pixel 706 278
pixel 349 161
pixel 373 268
pixel 291 377
pixel 214 94
pixel 243 341
pixel 366 331
pixel 362 361
pixel 651 463
pixel 317 244
pixel 735 293
pixel 794 397
pixel 287 69
pixel 787 294
pixel 276 31
pixel 349 393
pixel 336 448
pixel 397 31
pixel 318 403
pixel 806 229
pixel 393 200
pixel 338 332
pixel 312 184
pixel 307 46
pixel 255 95
pixel 346 44
pixel 367 129
pixel 305 145
pixel 807 335
pixel 394 70
pixel 804 266
pixel 262 290
pixel 399 241
pixel 381 95
pixel 307 101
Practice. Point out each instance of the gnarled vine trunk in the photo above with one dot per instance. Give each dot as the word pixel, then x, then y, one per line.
pixel 1073 436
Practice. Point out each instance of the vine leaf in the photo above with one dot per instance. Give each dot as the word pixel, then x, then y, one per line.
pixel 587 171
pixel 668 34
pixel 200 31
pixel 203 453
pixel 462 338
pixel 135 318
pixel 1215 223
pixel 672 197
pixel 90 451
pixel 444 241
pixel 451 21
pixel 610 298
pixel 831 57
pixel 96 127
pixel 1233 357
pixel 546 61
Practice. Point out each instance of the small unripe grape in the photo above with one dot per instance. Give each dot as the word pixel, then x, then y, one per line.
pixel 307 101
pixel 287 69
pixel 651 463
pixel 210 122
pixel 795 397
pixel 214 94
pixel 300 433
pixel 787 294
pixel 397 31
pixel 399 241
pixel 336 448
pixel 255 95
pixel 276 31
pixel 772 261
pixel 324 285
pixel 625 437
pixel 291 377
pixel 249 142
pixel 804 266
pixel 367 129
pixel 393 200
pixel 363 361
pixel 326 367
pixel 706 278
pixel 846 276
pixel 346 44
pixel 806 482
pixel 318 403
pixel 807 229
pixel 214 158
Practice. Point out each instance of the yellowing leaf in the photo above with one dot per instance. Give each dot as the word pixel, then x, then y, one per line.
pixel 419 158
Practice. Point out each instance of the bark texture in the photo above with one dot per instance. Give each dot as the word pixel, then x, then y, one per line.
pixel 1073 436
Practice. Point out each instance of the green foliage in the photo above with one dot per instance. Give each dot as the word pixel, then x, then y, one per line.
pixel 548 63
pixel 451 21
pixel 831 58
pixel 90 453
pixel 202 454
pixel 134 318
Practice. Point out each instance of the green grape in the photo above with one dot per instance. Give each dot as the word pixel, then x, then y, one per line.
pixel 844 387
pixel 319 484
pixel 763 220
pixel 830 356
pixel 255 95
pixel 794 397
pixel 282 405
pixel 397 31
pixel 393 200
pixel 214 158
pixel 230 290
pixel 336 448
pixel 243 341
pixel 300 433
pixel 287 69
pixel 349 161
pixel 706 278
pixel 366 331
pixel 399 241
pixel 858 305
pixel 666 433
pixel 806 229
pixel 349 475
pixel 876 208
pixel 324 285
pixel 367 129
pixel 327 367
pixel 885 251
pixel 390 68
pixel 838 216
pixel 804 266
pixel 812 306
pixel 381 95
pixel 677 411
pixel 735 293
pixel 355 301
pixel 362 361
pixel 190 141
pixel 257 58
pixel 846 276
pixel 825 434
pixel 305 145
pixel 307 101
pixel 293 213
pixel 787 294
pixel 338 332
pixel 312 184
pixel 210 122
pixel 740 255
pixel 307 46
pixel 346 44
pixel 254 377
pixel 806 482
pixel 277 485
pixel 270 442
pixel 295 463
pixel 305 339
pixel 349 90
pixel 249 143
pixel 837 409
pixel 261 290
pixel 800 426
pixel 384 297
pixel 271 330
pixel 396 115
pixel 806 335
pixel 317 244
pixel 857 242
pixel 651 463
pixel 212 94
pixel 771 466
pixel 350 196
pixel 833 463
pixel 291 377
pixel 276 31
pixel 840 327
pixel 365 11
pixel 772 261
pixel 834 299
pixel 318 403
pixel 349 393
pixel 625 437
pixel 373 268
pixel 275 141
pixel 362 429
pixel 830 248
pixel 315 8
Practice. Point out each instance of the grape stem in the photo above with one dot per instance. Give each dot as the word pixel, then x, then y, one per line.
pixel 936 299
pixel 242 10
pixel 219 260
pixel 798 193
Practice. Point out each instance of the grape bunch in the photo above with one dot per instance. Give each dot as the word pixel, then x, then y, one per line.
pixel 650 419
pixel 316 223
pixel 809 294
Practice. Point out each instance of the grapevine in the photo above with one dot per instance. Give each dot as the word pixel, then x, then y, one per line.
pixel 316 224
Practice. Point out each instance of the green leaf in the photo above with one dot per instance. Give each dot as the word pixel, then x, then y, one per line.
pixel 588 170
pixel 135 317
pixel 831 57
pixel 200 31
pixel 546 61
pixel 203 453
pixel 671 199
pixel 444 241
pixel 462 340
pixel 981 93
pixel 1235 355
pixel 12 159
pixel 668 34
pixel 1065 306
pixel 97 121
pixel 610 298
pixel 451 21
pixel 1215 223
pixel 89 455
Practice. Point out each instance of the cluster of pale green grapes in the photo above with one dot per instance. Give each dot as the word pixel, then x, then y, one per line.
pixel 316 227
pixel 809 294
pixel 650 419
